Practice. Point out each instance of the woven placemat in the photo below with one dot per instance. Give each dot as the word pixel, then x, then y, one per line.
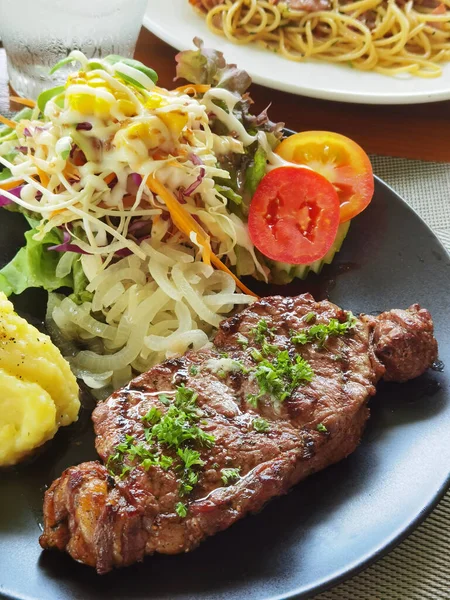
pixel 419 568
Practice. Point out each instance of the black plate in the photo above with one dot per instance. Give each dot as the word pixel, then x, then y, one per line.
pixel 329 526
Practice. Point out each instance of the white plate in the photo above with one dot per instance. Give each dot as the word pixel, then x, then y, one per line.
pixel 176 22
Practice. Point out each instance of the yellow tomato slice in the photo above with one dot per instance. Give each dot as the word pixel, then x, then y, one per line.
pixel 340 160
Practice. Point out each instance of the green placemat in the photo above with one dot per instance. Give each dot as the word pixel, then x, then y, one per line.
pixel 419 568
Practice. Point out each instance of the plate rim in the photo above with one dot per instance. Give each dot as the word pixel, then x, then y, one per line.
pixel 410 98
pixel 395 541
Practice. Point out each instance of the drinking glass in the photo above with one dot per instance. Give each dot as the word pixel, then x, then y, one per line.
pixel 37 34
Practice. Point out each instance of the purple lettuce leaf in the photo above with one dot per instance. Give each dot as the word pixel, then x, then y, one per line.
pixel 208 66
pixel 66 245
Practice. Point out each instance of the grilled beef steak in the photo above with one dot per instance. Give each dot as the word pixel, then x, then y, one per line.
pixel 202 440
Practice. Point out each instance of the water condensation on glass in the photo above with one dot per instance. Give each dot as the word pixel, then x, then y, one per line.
pixel 38 33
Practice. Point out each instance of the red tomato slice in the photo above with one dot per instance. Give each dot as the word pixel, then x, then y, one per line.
pixel 294 215
pixel 340 160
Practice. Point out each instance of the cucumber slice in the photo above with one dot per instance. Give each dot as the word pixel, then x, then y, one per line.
pixel 285 273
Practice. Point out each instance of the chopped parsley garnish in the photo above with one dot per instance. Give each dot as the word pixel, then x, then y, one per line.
pixel 193 370
pixel 256 355
pixel 189 480
pixel 322 331
pixel 279 378
pixel 230 476
pixel 176 429
pixel 165 462
pixel 321 427
pixel 253 399
pixel 268 349
pixel 190 457
pixel 242 340
pixel 129 449
pixel 181 509
pixel 311 316
pixel 153 416
pixel 261 333
pixel 261 425
pixel 164 399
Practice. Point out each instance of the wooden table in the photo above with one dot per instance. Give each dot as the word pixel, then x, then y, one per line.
pixel 419 131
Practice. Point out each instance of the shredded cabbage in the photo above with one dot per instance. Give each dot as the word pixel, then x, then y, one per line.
pixel 123 174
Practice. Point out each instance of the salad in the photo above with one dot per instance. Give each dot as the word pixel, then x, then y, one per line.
pixel 146 207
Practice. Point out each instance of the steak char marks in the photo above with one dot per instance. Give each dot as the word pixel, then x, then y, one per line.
pixel 269 445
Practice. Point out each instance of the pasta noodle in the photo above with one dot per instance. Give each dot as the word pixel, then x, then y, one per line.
pixel 392 37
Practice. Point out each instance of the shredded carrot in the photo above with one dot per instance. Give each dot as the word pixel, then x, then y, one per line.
pixel 186 223
pixel 70 172
pixel 9 185
pixel 192 89
pixel 44 178
pixel 23 101
pixel 7 122
pixel 110 178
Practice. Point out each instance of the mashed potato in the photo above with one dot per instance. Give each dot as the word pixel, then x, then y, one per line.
pixel 38 392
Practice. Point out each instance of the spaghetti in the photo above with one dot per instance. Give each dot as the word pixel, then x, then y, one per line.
pixel 392 37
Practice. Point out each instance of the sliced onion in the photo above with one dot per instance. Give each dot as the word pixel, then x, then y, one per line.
pixel 213 300
pixel 65 263
pixel 113 294
pixel 144 313
pixel 160 275
pixel 80 315
pixel 193 299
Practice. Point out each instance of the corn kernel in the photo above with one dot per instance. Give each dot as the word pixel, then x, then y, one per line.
pixel 175 122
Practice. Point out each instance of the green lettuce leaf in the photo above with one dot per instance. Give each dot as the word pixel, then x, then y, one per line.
pixel 256 171
pixel 79 284
pixel 5 174
pixel 229 193
pixel 34 266
pixel 135 64
pixel 47 95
